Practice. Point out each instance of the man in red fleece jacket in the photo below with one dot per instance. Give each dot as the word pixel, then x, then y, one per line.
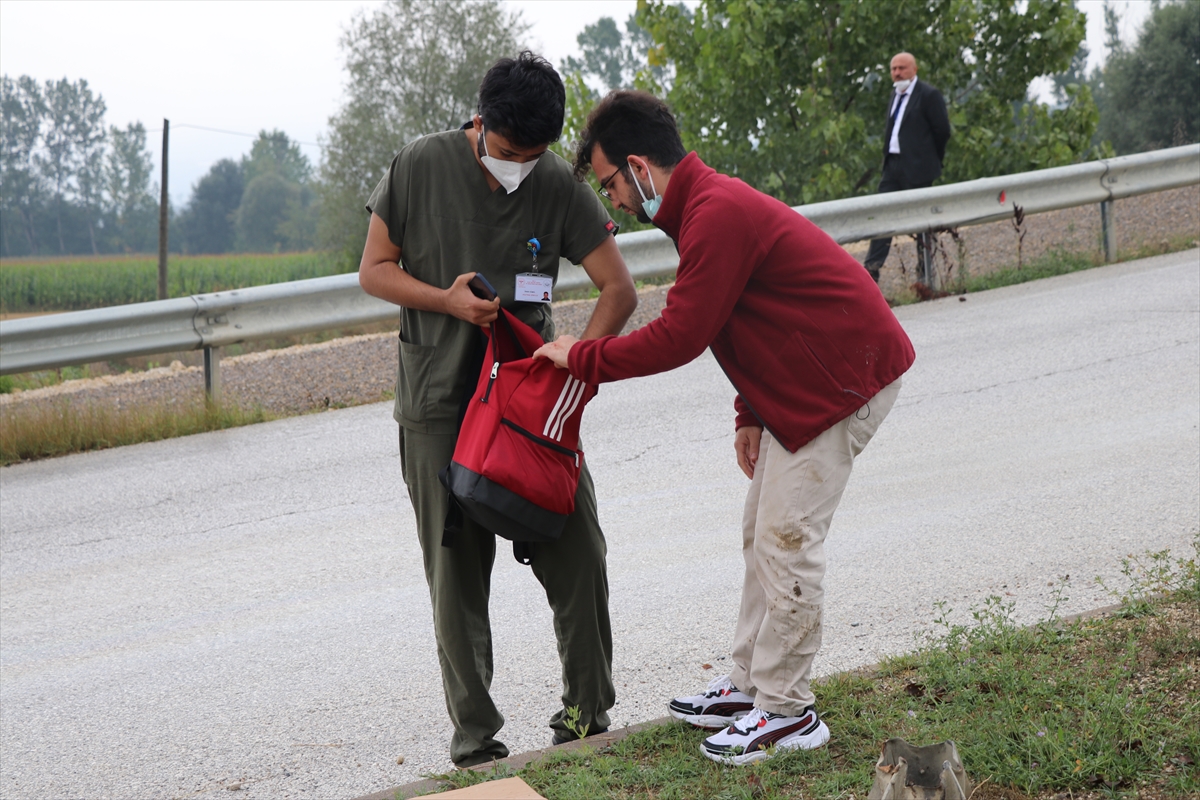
pixel 815 355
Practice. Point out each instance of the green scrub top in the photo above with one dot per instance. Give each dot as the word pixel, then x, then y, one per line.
pixel 446 221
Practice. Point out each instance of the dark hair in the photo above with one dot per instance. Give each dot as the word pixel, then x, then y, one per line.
pixel 522 99
pixel 630 123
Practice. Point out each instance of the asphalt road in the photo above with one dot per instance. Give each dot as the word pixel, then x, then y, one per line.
pixel 248 606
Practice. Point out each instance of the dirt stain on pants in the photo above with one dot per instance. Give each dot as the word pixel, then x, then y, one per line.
pixel 796 623
pixel 791 538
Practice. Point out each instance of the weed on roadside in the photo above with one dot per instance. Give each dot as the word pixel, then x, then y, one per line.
pixel 1055 262
pixel 44 430
pixel 1155 574
pixel 572 723
pixel 957 280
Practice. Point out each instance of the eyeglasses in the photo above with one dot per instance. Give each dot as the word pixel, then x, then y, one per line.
pixel 604 184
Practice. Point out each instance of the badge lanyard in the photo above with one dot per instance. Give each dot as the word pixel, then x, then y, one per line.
pixel 534 287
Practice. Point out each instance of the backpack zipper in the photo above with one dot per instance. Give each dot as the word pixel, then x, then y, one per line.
pixel 491 379
pixel 566 451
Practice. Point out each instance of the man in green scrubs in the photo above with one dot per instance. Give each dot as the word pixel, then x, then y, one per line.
pixel 453 204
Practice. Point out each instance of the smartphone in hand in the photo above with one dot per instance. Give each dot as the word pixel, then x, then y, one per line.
pixel 481 288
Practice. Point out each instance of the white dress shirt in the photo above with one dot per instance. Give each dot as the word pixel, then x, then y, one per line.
pixel 902 99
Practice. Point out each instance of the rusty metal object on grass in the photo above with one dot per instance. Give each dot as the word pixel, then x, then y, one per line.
pixel 932 772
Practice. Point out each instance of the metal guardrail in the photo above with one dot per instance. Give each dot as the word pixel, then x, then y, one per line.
pixel 209 321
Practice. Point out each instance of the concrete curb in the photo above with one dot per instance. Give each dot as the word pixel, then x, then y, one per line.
pixel 602 740
pixel 599 741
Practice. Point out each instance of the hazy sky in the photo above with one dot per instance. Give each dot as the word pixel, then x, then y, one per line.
pixel 245 66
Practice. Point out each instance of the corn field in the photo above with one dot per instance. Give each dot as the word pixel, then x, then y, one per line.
pixel 78 282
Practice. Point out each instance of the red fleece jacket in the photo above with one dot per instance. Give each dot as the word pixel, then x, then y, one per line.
pixel 799 327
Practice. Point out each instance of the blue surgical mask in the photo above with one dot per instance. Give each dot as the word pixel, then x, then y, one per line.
pixel 649 207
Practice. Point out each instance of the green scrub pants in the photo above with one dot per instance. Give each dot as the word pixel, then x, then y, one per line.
pixel 571 570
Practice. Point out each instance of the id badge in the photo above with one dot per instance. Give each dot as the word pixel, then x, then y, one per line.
pixel 534 287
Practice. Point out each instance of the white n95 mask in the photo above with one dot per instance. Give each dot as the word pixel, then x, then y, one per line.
pixel 508 173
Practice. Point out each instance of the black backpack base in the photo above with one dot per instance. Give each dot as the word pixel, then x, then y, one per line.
pixel 497 509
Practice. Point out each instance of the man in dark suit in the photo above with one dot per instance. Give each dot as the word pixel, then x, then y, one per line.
pixel 914 143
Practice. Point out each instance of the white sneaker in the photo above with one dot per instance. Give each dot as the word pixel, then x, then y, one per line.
pixel 719 706
pixel 752 737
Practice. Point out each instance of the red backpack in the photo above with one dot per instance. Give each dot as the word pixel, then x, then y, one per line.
pixel 516 464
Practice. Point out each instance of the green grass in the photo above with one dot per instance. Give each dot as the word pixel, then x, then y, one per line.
pixel 1061 262
pixel 32 431
pixel 24 381
pixel 1055 262
pixel 77 282
pixel 1107 707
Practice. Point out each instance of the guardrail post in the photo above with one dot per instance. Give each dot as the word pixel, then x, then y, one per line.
pixel 925 260
pixel 1108 227
pixel 212 373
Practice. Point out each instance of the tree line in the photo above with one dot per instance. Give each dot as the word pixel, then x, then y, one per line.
pixel 72 184
pixel 1148 92
pixel 784 95
pixel 69 183
pixel 266 202
pixel 787 96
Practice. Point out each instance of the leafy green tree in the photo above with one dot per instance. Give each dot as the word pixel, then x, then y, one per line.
pixel 581 99
pixel 615 61
pixel 263 209
pixel 207 223
pixel 59 144
pixel 92 145
pixel 65 176
pixel 414 68
pixel 1073 76
pixel 275 152
pixel 790 96
pixel 619 61
pixel 277 211
pixel 604 52
pixel 74 137
pixel 133 208
pixel 298 231
pixel 1149 95
pixel 22 109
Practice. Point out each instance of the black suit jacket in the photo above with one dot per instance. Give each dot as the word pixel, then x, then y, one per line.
pixel 924 131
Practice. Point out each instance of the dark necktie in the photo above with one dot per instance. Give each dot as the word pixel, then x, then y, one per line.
pixel 891 126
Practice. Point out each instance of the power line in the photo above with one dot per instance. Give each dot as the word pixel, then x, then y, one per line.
pixel 231 133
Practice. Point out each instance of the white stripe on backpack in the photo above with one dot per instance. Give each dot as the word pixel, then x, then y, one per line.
pixel 552 419
pixel 568 409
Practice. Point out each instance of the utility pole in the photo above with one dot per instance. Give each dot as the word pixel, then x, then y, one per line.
pixel 163 212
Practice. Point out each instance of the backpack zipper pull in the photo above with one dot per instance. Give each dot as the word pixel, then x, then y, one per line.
pixel 491 379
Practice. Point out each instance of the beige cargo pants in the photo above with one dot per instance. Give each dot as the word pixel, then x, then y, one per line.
pixel 788 510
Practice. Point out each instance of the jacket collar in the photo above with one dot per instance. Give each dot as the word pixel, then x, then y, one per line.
pixel 684 178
